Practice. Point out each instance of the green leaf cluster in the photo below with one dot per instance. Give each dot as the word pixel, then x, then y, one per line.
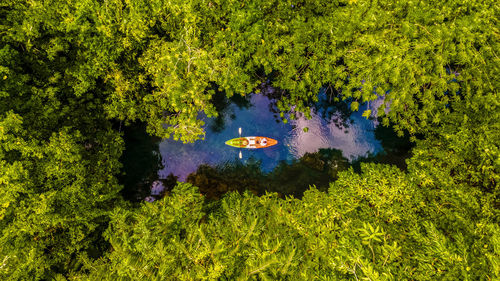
pixel 55 195
pixel 156 60
pixel 72 72
pixel 382 224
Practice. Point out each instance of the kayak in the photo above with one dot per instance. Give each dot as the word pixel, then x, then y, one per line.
pixel 251 142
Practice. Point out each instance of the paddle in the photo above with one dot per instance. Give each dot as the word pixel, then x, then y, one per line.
pixel 239 132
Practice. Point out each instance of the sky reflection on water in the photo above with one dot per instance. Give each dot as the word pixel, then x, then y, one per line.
pixel 355 140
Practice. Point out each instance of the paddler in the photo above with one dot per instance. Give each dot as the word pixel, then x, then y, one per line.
pixel 244 142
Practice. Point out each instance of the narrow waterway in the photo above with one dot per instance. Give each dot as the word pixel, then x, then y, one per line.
pixel 354 136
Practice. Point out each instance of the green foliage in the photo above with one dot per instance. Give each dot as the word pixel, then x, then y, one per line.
pixel 380 225
pixel 465 149
pixel 159 59
pixel 68 67
pixel 54 197
pixel 58 153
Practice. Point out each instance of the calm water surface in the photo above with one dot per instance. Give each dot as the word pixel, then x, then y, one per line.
pixel 355 140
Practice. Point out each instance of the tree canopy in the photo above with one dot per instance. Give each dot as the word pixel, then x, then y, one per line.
pixel 157 60
pixel 380 225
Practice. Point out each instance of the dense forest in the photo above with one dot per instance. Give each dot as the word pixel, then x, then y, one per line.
pixel 74 73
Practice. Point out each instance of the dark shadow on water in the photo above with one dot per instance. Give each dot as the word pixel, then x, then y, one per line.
pixel 141 161
pixel 396 149
pixel 222 104
pixel 330 108
pixel 319 169
pixel 213 182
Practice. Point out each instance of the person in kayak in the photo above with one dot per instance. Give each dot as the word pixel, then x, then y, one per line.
pixel 263 142
pixel 244 142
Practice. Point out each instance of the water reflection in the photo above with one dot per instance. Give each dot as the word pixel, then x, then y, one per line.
pixel 355 139
pixel 318 168
pixel 222 104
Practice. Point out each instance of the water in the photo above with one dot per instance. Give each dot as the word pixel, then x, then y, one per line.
pixel 355 139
